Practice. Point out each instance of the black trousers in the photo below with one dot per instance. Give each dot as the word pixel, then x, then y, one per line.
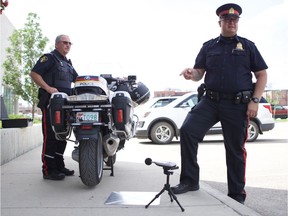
pixel 52 149
pixel 234 122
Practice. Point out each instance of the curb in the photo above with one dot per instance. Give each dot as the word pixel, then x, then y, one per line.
pixel 237 207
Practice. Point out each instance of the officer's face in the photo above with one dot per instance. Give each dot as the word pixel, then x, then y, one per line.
pixel 64 45
pixel 229 25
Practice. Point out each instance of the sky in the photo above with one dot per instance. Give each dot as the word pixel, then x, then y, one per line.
pixel 155 39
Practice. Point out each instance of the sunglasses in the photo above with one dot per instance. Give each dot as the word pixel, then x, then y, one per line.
pixel 66 42
pixel 230 19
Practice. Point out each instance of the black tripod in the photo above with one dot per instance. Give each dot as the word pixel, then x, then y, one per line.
pixel 167 172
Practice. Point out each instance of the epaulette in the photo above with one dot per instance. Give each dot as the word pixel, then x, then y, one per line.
pixel 249 41
pixel 55 57
pixel 45 56
pixel 209 41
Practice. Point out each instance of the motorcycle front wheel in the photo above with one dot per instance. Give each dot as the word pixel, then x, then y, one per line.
pixel 91 161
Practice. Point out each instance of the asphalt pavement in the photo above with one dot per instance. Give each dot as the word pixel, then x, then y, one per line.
pixel 24 192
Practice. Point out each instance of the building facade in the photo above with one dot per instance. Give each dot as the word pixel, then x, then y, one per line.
pixel 6 30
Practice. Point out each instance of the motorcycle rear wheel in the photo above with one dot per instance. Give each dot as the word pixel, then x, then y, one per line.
pixel 91 161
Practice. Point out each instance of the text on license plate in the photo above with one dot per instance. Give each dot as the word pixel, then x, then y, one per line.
pixel 87 117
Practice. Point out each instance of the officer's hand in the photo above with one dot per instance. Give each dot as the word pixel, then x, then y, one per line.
pixel 51 90
pixel 252 109
pixel 187 73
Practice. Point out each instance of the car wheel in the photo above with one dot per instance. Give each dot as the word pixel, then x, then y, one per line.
pixel 162 133
pixel 253 131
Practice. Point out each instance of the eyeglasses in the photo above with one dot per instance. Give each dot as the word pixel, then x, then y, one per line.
pixel 66 42
pixel 230 19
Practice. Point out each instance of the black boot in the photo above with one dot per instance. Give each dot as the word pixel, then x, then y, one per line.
pixel 61 165
pixel 66 171
pixel 54 175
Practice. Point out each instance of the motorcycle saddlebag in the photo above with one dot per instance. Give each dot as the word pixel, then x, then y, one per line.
pixel 57 114
pixel 121 109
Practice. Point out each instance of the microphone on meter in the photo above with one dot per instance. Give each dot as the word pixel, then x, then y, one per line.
pixel 164 164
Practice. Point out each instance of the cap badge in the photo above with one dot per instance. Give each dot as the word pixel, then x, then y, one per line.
pixel 231 11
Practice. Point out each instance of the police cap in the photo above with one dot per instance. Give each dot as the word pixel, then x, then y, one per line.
pixel 229 10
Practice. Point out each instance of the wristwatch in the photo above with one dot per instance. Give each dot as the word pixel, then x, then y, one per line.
pixel 255 99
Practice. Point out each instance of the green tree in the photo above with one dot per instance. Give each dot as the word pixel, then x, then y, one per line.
pixel 27 45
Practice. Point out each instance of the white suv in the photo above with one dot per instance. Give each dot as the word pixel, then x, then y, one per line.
pixel 162 124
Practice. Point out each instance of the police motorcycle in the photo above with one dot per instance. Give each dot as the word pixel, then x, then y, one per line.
pixel 101 115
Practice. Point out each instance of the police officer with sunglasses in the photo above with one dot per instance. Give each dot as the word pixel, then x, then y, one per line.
pixel 53 72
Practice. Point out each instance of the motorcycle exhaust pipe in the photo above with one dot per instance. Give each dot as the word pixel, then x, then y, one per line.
pixel 110 143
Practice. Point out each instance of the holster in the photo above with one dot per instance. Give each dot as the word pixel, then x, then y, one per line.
pixel 201 90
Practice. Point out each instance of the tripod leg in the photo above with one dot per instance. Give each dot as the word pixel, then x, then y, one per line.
pixel 157 195
pixel 171 194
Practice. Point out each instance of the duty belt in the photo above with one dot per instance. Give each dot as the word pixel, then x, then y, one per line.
pixel 219 95
pixel 240 97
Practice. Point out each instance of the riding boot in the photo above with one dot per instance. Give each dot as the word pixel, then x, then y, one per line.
pixel 49 168
pixel 61 165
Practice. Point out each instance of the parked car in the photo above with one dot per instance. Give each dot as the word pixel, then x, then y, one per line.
pixel 157 102
pixel 154 103
pixel 279 112
pixel 162 124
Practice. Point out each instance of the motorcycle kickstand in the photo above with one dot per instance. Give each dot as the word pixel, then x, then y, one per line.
pixel 111 167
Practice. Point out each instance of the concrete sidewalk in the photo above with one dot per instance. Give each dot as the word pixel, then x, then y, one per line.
pixel 25 193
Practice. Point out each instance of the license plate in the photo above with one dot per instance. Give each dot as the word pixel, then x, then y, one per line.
pixel 87 117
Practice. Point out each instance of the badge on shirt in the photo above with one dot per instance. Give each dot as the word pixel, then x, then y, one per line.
pixel 43 59
pixel 239 46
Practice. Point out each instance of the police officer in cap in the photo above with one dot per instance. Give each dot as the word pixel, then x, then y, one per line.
pixel 53 72
pixel 227 64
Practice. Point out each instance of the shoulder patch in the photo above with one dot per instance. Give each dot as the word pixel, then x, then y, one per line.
pixel 43 59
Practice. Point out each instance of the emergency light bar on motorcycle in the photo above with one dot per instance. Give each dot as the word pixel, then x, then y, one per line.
pixel 86 97
pixel 86 106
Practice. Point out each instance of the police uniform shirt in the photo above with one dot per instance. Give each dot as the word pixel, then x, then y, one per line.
pixel 228 63
pixel 47 67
